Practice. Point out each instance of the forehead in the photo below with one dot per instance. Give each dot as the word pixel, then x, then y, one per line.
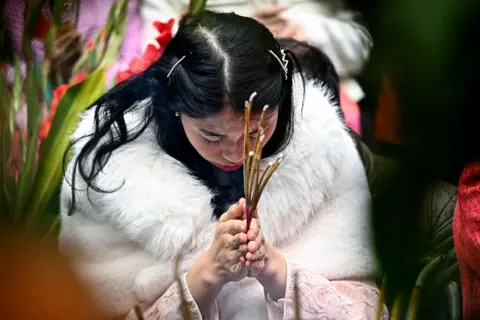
pixel 228 120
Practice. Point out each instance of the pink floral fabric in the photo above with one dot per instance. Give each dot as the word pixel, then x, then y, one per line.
pixel 319 299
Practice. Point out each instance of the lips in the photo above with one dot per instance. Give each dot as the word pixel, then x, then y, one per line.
pixel 230 168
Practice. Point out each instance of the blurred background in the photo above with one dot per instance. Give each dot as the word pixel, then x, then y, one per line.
pixel 405 72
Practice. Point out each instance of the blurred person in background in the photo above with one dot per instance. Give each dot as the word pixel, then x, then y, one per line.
pixel 466 232
pixel 325 24
pixel 81 21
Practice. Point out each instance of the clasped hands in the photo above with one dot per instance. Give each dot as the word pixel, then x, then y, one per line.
pixel 235 252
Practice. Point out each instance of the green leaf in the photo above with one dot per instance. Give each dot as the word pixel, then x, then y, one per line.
pixel 58 6
pixel 30 24
pixel 49 41
pixel 197 5
pixel 16 90
pixel 75 101
pixel 115 29
pixel 92 59
pixel 5 140
pixel 26 172
pixel 107 50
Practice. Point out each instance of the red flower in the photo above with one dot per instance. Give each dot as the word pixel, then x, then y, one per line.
pixel 58 94
pixel 79 78
pixel 90 45
pixel 42 28
pixel 152 53
pixel 165 30
pixel 123 75
pixel 164 38
pixel 138 65
pixel 164 26
pixel 44 129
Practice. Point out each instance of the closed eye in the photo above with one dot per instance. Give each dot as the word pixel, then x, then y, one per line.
pixel 212 142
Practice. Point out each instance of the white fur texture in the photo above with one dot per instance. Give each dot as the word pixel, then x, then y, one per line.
pixel 315 210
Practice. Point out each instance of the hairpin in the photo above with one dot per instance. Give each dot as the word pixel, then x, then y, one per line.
pixel 175 65
pixel 283 62
pixel 254 183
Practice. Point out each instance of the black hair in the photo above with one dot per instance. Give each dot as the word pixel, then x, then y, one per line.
pixel 227 58
pixel 315 65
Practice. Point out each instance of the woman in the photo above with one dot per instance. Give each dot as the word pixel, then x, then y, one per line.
pixel 327 25
pixel 157 163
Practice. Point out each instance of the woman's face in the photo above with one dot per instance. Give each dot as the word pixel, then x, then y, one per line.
pixel 219 139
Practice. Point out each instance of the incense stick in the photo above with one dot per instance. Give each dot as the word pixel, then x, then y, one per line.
pixel 246 144
pixel 254 182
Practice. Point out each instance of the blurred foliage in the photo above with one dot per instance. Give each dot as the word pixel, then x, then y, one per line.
pixel 32 164
pixel 427 51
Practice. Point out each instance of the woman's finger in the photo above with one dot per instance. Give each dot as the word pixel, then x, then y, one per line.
pixel 238 240
pixel 234 212
pixel 258 255
pixel 256 244
pixel 254 230
pixel 233 227
pixel 257 265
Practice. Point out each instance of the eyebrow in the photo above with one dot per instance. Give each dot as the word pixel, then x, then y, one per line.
pixel 211 134
pixel 214 134
pixel 219 135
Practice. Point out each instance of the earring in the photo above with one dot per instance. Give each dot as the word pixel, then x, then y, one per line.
pixel 177 114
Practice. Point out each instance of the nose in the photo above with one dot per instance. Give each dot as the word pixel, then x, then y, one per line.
pixel 234 154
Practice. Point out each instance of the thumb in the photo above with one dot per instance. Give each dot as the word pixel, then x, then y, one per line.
pixel 234 212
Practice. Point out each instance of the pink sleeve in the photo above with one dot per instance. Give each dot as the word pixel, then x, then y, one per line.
pixel 168 306
pixel 324 299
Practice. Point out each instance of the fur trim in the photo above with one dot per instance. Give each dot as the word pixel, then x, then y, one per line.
pixel 315 209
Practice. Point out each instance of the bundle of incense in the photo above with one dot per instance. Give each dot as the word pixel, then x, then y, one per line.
pixel 254 182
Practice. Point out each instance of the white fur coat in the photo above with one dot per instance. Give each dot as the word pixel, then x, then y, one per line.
pixel 315 210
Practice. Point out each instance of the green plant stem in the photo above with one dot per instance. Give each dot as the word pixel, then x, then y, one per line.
pixel 416 294
pixel 53 227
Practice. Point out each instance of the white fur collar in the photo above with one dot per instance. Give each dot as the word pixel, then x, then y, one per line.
pixel 161 205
